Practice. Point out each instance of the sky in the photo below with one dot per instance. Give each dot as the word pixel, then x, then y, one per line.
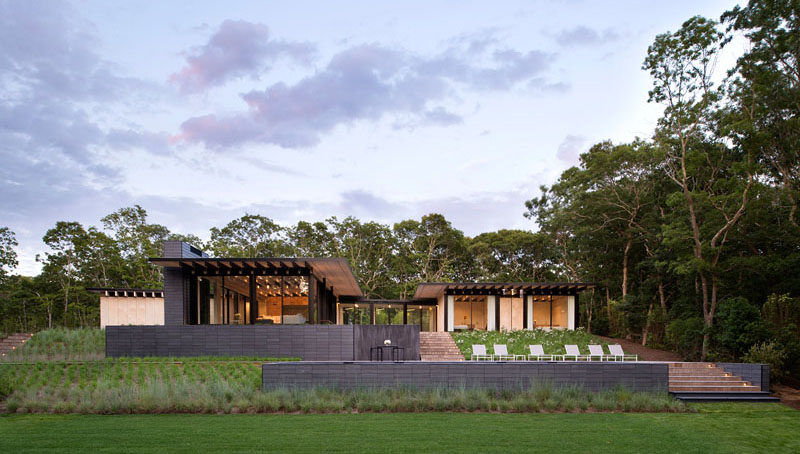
pixel 201 112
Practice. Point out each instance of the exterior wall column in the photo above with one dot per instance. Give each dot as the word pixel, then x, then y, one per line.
pixel 490 314
pixel 570 312
pixel 529 304
pixel 450 301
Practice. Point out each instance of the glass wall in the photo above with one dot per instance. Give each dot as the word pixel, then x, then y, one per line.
pixel 221 300
pixel 388 314
pixel 424 316
pixel 560 316
pixel 469 312
pixel 547 316
pixel 282 300
pixel 354 314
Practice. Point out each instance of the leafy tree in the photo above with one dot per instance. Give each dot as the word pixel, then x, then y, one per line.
pixel 8 256
pixel 766 89
pixel 714 181
pixel 429 250
pixel 137 241
pixel 513 256
pixel 251 235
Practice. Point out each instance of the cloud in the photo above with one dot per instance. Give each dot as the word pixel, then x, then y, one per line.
pixel 582 35
pixel 238 48
pixel 366 83
pixel 570 149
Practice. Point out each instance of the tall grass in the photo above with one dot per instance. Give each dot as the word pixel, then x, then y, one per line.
pixel 79 344
pixel 518 341
pixel 132 386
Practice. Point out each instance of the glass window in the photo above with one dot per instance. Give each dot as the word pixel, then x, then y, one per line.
pixel 541 312
pixel 354 314
pixel 388 314
pixel 424 316
pixel 560 319
pixel 295 300
pixel 469 312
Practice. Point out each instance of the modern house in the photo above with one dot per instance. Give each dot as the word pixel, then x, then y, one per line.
pixel 200 290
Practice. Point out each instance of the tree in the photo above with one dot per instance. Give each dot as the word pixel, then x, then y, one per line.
pixel 766 89
pixel 67 240
pixel 249 236
pixel 714 181
pixel 429 250
pixel 8 256
pixel 513 256
pixel 137 241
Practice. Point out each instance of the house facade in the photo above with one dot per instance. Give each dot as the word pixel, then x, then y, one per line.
pixel 201 290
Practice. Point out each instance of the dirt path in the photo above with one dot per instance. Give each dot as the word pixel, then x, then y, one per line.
pixel 645 353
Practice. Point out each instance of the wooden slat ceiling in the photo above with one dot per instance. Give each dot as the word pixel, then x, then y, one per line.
pixel 435 289
pixel 335 271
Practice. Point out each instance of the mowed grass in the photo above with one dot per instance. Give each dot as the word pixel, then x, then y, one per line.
pixel 714 428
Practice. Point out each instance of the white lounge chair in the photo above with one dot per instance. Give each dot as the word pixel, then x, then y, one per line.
pixel 596 351
pixel 537 353
pixel 479 352
pixel 619 355
pixel 574 352
pixel 501 353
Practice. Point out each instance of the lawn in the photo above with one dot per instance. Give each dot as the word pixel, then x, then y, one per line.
pixel 714 428
pixel 518 341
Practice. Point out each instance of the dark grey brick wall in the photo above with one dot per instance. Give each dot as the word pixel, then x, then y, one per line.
pixel 495 375
pixel 757 374
pixel 177 249
pixel 368 336
pixel 173 296
pixel 310 342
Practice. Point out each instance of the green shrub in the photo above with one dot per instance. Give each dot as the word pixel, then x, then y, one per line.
pixel 686 336
pixel 738 326
pixel 768 353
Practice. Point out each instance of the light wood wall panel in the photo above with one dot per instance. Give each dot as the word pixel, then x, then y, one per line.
pixel 116 311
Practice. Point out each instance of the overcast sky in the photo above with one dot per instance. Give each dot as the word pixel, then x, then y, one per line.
pixel 202 111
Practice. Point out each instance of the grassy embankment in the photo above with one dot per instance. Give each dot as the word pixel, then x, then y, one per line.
pixel 518 341
pixel 52 375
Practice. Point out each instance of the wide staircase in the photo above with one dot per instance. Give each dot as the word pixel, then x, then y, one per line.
pixel 706 382
pixel 13 342
pixel 438 346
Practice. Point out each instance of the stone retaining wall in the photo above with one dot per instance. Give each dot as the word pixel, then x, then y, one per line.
pixel 598 376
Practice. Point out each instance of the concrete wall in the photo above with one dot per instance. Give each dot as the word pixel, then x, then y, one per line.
pixel 495 375
pixel 310 342
pixel 757 374
pixel 131 311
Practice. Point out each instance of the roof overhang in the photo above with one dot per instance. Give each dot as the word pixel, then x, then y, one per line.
pixel 336 271
pixel 127 292
pixel 436 289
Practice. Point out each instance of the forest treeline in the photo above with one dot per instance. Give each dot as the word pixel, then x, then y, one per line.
pixel 691 235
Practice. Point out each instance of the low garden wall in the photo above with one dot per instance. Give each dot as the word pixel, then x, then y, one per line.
pixel 641 376
pixel 308 342
pixel 757 374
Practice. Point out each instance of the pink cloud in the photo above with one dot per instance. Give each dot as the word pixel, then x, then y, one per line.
pixel 237 49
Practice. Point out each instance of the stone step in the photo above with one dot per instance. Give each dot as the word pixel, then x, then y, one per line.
pixel 699 396
pixel 703 388
pixel 703 378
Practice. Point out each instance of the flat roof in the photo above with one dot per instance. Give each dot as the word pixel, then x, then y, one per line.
pixel 128 292
pixel 434 289
pixel 336 271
